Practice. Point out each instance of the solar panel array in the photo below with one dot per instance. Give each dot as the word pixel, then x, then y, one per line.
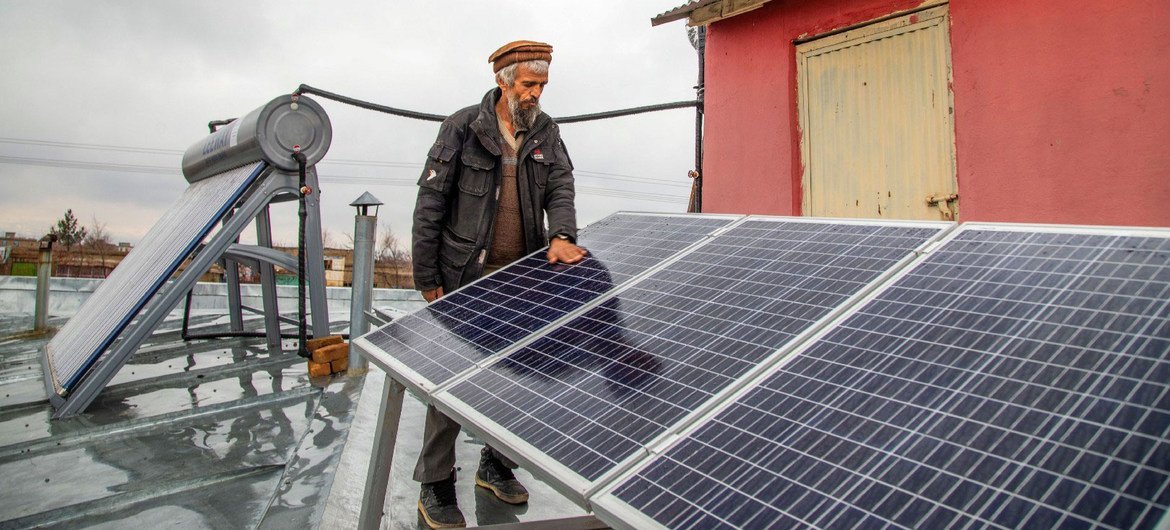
pixel 469 325
pixel 1015 378
pixel 798 373
pixel 119 298
pixel 598 388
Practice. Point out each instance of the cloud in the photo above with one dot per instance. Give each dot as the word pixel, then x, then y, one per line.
pixel 151 75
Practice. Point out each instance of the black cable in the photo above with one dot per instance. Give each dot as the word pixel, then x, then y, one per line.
pixel 306 89
pixel 302 212
pixel 213 125
pixel 625 112
pixel 186 315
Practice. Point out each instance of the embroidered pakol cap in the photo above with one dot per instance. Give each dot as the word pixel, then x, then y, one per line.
pixel 518 52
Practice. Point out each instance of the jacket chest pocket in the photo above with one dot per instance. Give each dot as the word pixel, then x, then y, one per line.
pixel 541 163
pixel 437 174
pixel 478 175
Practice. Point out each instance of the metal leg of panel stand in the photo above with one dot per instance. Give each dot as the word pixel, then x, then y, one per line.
pixel 268 283
pixel 231 276
pixel 385 437
pixel 318 303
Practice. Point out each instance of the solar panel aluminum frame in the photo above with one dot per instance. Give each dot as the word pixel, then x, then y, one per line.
pixel 159 302
pixel 620 515
pixel 414 383
pixel 421 386
pixel 580 489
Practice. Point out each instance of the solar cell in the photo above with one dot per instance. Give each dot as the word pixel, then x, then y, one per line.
pixel 1017 377
pixel 120 297
pixel 464 327
pixel 598 388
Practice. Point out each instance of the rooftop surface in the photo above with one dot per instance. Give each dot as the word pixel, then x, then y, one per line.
pixel 217 433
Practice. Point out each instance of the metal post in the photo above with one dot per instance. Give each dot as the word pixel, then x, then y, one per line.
pixel 385 437
pixel 44 274
pixel 268 282
pixel 700 93
pixel 231 278
pixel 365 230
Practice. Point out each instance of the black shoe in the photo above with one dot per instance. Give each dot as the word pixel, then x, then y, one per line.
pixel 438 506
pixel 495 476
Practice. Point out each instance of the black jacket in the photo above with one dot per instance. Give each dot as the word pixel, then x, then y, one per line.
pixel 458 190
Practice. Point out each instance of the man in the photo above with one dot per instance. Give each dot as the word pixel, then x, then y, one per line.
pixel 494 173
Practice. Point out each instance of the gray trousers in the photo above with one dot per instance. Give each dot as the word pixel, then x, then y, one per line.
pixel 437 458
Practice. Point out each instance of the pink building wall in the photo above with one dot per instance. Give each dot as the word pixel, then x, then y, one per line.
pixel 1062 112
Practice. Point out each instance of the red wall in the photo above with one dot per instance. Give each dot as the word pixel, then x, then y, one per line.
pixel 1062 111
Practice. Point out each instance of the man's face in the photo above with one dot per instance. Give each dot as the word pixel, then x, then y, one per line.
pixel 527 87
pixel 523 96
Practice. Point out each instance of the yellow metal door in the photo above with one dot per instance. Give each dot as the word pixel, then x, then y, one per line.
pixel 876 120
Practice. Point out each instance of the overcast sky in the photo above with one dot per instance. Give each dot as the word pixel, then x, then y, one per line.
pixel 99 99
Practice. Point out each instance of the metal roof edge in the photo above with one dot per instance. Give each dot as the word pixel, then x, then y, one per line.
pixel 704 12
pixel 680 12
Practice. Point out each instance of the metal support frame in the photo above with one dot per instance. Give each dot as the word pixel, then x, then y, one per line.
pixel 231 275
pixel 266 190
pixel 264 258
pixel 385 438
pixel 268 281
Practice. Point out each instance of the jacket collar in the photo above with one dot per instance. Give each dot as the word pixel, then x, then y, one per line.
pixel 487 126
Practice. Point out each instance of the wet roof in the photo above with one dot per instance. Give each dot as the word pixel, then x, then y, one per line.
pixel 210 433
pixel 205 433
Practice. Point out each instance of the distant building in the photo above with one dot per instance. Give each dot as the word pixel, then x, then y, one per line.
pixel 335 268
pixel 1023 111
pixel 339 271
pixel 19 255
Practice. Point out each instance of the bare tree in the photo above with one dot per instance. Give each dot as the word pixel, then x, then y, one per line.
pixel 393 254
pixel 329 240
pixel 97 241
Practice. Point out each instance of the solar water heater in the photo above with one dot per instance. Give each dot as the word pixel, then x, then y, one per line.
pixel 234 174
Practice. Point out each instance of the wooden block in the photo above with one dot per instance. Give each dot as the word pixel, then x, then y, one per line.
pixel 318 369
pixel 339 365
pixel 315 344
pixel 331 352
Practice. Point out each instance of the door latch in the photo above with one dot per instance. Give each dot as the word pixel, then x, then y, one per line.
pixel 944 204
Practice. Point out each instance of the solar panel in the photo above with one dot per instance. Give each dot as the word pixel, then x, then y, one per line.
pixel 1017 377
pixel 120 297
pixel 436 343
pixel 598 388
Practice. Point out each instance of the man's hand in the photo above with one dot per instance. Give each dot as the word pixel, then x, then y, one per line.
pixel 564 251
pixel 433 294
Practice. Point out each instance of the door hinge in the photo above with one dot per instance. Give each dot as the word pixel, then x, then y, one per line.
pixel 944 204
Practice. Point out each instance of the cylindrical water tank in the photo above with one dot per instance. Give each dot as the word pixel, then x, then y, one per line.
pixel 271 133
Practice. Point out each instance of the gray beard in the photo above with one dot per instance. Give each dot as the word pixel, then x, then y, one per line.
pixel 522 118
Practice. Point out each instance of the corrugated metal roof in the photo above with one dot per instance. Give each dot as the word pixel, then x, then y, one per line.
pixel 704 12
pixel 680 12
